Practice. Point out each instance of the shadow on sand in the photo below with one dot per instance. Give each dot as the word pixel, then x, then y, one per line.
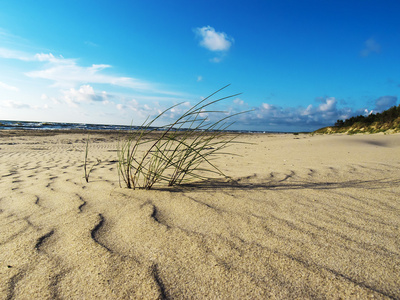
pixel 285 184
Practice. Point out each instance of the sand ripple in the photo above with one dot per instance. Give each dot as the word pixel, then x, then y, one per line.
pixel 306 217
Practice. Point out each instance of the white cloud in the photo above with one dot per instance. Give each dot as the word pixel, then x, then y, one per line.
pixel 45 57
pixel 308 111
pixel 213 40
pixel 328 106
pixel 85 94
pixel 199 78
pixel 49 57
pixel 267 106
pixel 14 104
pixel 54 100
pixel 14 54
pixel 8 87
pixel 370 46
pixel 142 110
pixel 81 87
pixel 238 101
pixel 67 73
pixel 268 116
pixel 19 105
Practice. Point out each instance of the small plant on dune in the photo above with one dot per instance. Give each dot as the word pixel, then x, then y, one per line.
pixel 85 163
pixel 182 151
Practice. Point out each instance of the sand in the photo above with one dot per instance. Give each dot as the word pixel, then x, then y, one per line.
pixel 308 217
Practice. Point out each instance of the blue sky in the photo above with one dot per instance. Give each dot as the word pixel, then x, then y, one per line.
pixel 300 65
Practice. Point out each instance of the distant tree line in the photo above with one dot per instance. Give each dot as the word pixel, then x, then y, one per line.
pixel 385 117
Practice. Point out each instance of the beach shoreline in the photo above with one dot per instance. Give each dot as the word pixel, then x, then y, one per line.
pixel 305 216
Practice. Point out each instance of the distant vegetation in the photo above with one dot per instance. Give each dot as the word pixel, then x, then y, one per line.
pixel 387 121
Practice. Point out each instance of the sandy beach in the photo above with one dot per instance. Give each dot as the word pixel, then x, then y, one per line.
pixel 306 217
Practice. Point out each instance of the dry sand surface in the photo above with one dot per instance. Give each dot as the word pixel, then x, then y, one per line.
pixel 308 217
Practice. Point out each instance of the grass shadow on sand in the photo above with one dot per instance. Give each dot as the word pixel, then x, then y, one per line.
pixel 268 184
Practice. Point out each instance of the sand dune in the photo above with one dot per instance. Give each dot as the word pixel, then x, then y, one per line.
pixel 306 217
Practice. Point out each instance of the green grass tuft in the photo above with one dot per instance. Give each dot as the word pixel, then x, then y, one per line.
pixel 183 151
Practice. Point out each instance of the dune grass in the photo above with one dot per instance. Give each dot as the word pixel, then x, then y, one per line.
pixel 178 152
pixel 85 162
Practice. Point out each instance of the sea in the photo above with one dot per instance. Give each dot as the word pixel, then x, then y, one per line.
pixel 26 125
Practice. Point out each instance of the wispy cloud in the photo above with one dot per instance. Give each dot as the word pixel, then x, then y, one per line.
pixel 89 92
pixel 370 46
pixel 91 44
pixel 15 54
pixel 19 105
pixel 8 87
pixel 217 59
pixel 7 38
pixel 67 73
pixel 14 104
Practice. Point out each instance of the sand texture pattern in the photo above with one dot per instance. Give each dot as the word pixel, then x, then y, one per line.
pixel 307 217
